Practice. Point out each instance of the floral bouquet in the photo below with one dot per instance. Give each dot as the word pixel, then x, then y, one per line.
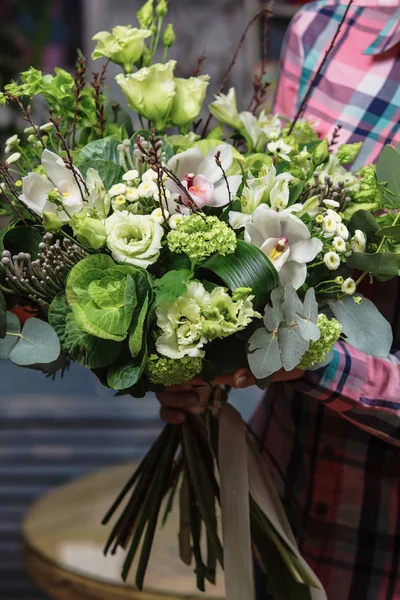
pixel 156 254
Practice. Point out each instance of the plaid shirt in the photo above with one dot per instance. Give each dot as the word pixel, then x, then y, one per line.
pixel 332 440
pixel 359 87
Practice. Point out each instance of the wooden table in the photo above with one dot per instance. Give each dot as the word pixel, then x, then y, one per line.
pixel 64 540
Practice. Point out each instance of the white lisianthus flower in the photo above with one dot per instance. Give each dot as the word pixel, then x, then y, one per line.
pixel 280 149
pixel 134 239
pixel 332 261
pixel 339 244
pixel 36 189
pixel 202 177
pixel 181 324
pixel 159 216
pixel 358 242
pixel 349 286
pixel 130 176
pixel 148 189
pixel 117 190
pixel 174 220
pixel 123 45
pixel 285 240
pixel 342 231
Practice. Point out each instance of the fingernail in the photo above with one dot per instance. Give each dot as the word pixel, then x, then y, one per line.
pixel 240 381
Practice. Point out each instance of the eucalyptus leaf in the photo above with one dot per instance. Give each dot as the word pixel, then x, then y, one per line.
pixel 273 315
pixel 387 171
pixel 292 305
pixel 384 265
pixel 263 354
pixel 246 267
pixel 308 330
pixel 310 306
pixel 38 344
pixel 292 347
pixel 88 350
pixel 3 317
pixel 8 343
pixel 364 326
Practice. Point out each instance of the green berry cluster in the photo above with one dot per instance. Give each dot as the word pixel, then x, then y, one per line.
pixel 172 371
pixel 317 352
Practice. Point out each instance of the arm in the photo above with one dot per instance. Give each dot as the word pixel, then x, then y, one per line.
pixel 287 92
pixel 363 389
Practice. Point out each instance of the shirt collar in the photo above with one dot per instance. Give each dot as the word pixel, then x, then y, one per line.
pixel 389 36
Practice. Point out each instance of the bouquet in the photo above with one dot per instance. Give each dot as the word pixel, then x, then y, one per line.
pixel 156 253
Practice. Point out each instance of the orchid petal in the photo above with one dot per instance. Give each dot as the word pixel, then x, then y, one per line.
pixel 55 168
pixel 267 249
pixel 185 162
pixel 209 167
pixel 237 220
pixel 294 229
pixel 294 273
pixel 267 223
pixel 305 251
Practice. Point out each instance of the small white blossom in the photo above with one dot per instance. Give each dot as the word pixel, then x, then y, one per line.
pixel 334 215
pixel 331 203
pixel 119 200
pixel 11 142
pixel 342 231
pixel 29 130
pixel 130 176
pixel 132 194
pixel 174 220
pixel 339 280
pixel 280 149
pixel 339 244
pixel 329 226
pixel 358 241
pixel 159 216
pixel 47 127
pixel 149 175
pixel 332 261
pixel 349 286
pixel 117 190
pixel 32 138
pixel 13 158
pixel 147 189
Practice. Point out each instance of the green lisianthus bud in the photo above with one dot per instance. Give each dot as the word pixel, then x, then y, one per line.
pixel 145 15
pixel 151 91
pixel 89 231
pixel 321 153
pixel 188 100
pixel 162 8
pixel 51 222
pixel 123 46
pixel 347 153
pixel 169 36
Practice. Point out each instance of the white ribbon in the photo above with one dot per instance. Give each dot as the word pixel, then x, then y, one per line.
pixel 235 509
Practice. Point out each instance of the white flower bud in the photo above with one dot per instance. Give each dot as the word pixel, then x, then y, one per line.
pixel 47 127
pixel 332 261
pixel 174 220
pixel 158 215
pixel 331 203
pixel 13 158
pixel 149 175
pixel 29 130
pixel 12 141
pixel 358 241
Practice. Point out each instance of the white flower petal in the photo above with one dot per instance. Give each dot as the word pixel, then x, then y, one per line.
pixel 35 189
pixel 185 162
pixel 294 229
pixel 209 168
pixel 294 273
pixel 237 220
pixel 55 168
pixel 306 250
pixel 267 223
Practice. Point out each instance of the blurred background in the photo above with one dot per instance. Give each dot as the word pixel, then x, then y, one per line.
pixel 54 431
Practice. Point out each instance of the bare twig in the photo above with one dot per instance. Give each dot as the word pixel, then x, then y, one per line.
pixel 219 164
pixel 234 58
pixel 26 115
pixel 335 137
pixel 260 86
pixel 199 65
pixel 79 85
pixel 318 72
pixel 99 104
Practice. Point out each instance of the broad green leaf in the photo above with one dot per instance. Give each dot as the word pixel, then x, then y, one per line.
pixel 3 317
pixel 387 171
pixel 3 233
pixel 393 232
pixel 172 285
pixel 23 239
pixel 308 330
pixel 137 326
pixel 292 347
pixel 246 267
pixel 95 261
pixel 292 305
pixel 125 376
pixel 58 311
pixel 383 265
pixel 103 156
pixel 364 326
pixel 310 306
pixel 88 350
pixel 130 301
pixel 11 339
pixel 91 328
pixel 38 344
pixel 263 354
pixel 273 315
pixel 366 222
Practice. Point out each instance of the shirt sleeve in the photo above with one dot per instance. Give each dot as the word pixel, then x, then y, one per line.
pixel 287 92
pixel 363 389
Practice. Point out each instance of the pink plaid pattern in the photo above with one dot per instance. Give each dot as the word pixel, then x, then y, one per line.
pixel 359 87
pixel 332 440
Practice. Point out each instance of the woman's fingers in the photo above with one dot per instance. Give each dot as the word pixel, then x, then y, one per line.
pixel 172 416
pixel 183 400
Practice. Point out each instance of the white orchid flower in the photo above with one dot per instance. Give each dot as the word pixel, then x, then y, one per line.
pixel 285 240
pixel 202 177
pixel 36 189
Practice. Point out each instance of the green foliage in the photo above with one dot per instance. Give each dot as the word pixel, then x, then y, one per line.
pixel 347 153
pixel 320 349
pixel 102 155
pixel 88 350
pixel 382 265
pixel 10 340
pixel 392 232
pixel 172 285
pixel 23 239
pixel 366 222
pixel 37 343
pixel 127 372
pixel 364 326
pixel 247 267
pixel 387 171
pixel 290 325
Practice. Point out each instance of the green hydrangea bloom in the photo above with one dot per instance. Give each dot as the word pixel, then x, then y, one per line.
pixel 330 332
pixel 172 371
pixel 303 131
pixel 199 237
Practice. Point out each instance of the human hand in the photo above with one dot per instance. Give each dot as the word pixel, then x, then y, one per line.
pixel 193 396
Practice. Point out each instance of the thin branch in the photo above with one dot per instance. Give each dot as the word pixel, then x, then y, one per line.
pixel 219 164
pixel 234 58
pixel 310 89
pixel 79 85
pixel 26 115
